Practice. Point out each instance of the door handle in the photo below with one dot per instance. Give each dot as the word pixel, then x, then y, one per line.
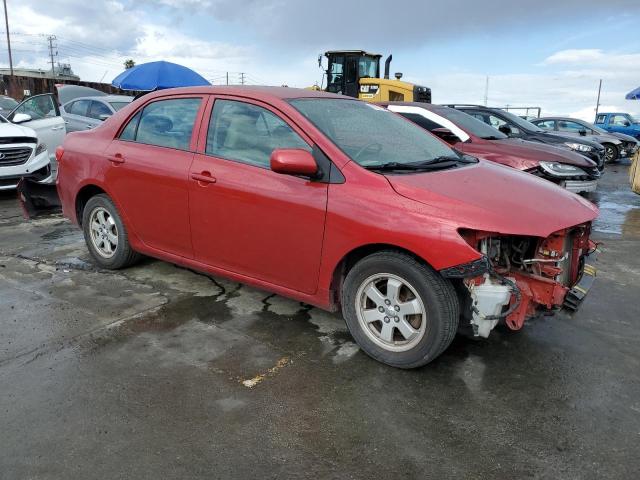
pixel 116 159
pixel 204 177
pixel 58 128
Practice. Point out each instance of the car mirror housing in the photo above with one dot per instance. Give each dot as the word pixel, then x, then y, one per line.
pixel 21 118
pixel 582 132
pixel 446 135
pixel 293 161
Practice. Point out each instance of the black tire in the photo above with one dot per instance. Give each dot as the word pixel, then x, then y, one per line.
pixel 438 296
pixel 123 255
pixel 611 153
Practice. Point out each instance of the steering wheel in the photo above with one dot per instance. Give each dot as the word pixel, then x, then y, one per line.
pixel 378 147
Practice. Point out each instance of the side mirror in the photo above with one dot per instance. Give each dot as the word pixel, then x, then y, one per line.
pixel 104 116
pixel 627 123
pixel 21 118
pixel 293 161
pixel 446 135
pixel 582 132
pixel 506 129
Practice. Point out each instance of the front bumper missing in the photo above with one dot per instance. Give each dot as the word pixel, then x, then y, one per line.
pixel 579 291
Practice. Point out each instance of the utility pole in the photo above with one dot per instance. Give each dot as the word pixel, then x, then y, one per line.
pixel 598 100
pixel 486 91
pixel 6 22
pixel 51 39
pixel 227 78
pixel 241 78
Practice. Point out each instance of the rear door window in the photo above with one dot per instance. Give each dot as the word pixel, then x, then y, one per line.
pixel 248 133
pixel 568 126
pixel 79 107
pixel 601 118
pixel 97 109
pixel 164 123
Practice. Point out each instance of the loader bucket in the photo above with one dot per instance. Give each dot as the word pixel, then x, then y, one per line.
pixel 37 199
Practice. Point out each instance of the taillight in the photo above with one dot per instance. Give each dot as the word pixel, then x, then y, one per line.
pixel 59 153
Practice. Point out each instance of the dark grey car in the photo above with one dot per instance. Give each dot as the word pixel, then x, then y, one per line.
pixel 85 113
pixel 616 145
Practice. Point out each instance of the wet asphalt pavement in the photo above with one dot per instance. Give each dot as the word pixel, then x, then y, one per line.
pixel 160 372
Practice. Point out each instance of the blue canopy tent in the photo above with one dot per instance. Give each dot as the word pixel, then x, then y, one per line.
pixel 633 94
pixel 157 76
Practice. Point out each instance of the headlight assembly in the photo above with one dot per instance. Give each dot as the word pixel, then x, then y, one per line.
pixel 40 148
pixel 556 169
pixel 579 147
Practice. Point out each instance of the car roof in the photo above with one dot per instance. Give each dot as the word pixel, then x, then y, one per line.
pixel 256 92
pixel 559 118
pixel 427 106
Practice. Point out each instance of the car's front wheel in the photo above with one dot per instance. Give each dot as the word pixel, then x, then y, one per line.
pixel 399 310
pixel 610 153
pixel 105 234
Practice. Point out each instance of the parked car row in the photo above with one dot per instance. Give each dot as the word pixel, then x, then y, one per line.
pixel 343 205
pixel 466 133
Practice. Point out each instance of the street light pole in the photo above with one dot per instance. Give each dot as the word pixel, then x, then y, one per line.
pixel 6 22
pixel 598 100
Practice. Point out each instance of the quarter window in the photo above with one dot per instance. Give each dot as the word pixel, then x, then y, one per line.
pixel 165 123
pixel 601 118
pixel 248 133
pixel 129 132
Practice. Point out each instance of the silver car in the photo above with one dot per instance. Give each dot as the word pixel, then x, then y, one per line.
pixel 85 113
pixel 616 145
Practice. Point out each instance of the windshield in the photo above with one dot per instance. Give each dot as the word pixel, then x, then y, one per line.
pixel 633 119
pixel 525 125
pixel 471 124
pixel 118 105
pixel 371 135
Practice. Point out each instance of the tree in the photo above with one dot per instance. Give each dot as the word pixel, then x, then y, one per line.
pixel 130 63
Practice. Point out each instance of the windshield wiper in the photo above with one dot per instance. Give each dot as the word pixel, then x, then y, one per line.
pixel 438 163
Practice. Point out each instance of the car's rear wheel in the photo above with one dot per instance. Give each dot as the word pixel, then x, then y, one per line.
pixel 106 235
pixel 400 311
pixel 610 153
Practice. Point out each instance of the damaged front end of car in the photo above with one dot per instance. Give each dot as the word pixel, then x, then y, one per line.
pixel 518 277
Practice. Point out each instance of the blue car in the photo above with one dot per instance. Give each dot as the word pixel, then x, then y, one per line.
pixel 619 123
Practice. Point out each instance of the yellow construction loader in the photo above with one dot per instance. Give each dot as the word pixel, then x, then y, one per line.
pixel 356 73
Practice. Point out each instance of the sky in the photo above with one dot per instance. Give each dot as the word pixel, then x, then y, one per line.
pixel 543 53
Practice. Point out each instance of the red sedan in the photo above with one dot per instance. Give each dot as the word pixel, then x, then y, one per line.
pixel 333 202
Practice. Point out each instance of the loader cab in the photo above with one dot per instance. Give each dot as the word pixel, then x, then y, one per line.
pixel 346 67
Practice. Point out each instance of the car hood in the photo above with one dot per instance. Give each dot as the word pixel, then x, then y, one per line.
pixel 13 130
pixel 490 197
pixel 545 152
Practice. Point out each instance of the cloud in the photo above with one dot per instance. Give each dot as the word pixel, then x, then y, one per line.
pixel 379 24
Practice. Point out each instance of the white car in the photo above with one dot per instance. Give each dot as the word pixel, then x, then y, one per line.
pixel 29 137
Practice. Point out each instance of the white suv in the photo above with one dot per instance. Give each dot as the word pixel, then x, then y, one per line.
pixel 28 140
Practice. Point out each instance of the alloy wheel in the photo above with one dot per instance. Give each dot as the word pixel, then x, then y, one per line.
pixel 104 232
pixel 391 312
